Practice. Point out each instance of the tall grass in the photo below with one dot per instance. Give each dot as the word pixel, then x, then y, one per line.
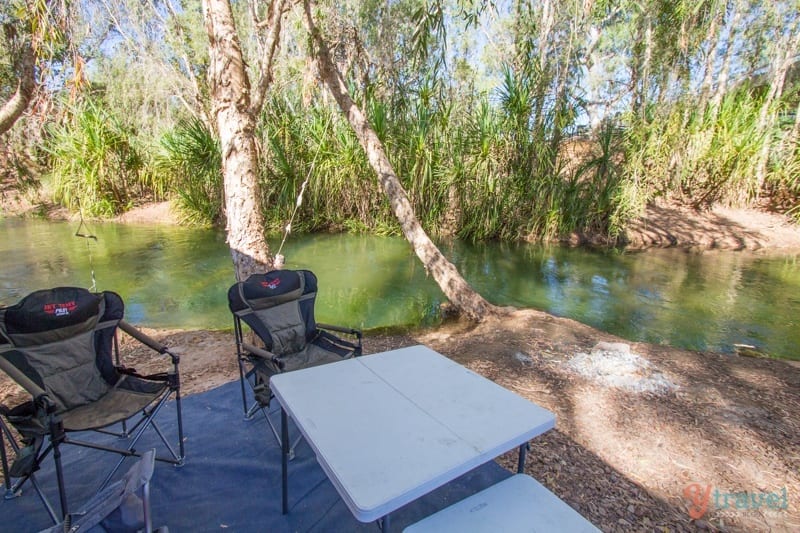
pixel 701 157
pixel 479 171
pixel 479 168
pixel 316 144
pixel 95 165
pixel 189 160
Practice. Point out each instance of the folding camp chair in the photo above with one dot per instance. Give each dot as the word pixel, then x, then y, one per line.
pixel 122 507
pixel 278 307
pixel 61 346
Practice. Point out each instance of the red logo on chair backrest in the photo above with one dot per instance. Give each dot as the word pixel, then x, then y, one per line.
pixel 272 284
pixel 60 309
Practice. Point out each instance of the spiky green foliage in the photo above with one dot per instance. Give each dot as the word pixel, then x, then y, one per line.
pixel 481 142
pixel 701 156
pixel 190 159
pixel 317 145
pixel 95 165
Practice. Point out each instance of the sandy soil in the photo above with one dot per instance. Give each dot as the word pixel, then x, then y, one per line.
pixel 724 431
pixel 719 228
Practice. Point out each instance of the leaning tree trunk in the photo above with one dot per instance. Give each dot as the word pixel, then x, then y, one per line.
pixel 465 300
pixel 230 96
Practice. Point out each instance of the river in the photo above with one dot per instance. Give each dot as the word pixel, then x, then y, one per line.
pixel 178 278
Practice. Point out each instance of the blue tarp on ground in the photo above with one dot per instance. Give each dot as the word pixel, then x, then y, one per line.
pixel 231 480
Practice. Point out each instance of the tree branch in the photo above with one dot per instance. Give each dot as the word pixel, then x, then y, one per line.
pixel 16 105
pixel 274 14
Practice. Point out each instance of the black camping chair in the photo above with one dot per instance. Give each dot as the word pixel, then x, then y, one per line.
pixel 122 507
pixel 61 346
pixel 278 307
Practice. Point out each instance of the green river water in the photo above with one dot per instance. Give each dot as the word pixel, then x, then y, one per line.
pixel 179 277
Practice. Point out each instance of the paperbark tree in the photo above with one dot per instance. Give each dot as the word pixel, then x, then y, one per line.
pixel 235 114
pixel 465 300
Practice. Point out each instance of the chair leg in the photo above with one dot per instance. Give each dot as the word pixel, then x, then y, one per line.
pixel 148 520
pixel 6 480
pixel 249 412
pixel 14 490
pixel 175 386
pixel 176 459
pixel 181 444
pixel 272 426
pixel 57 436
pixel 242 379
pixel 248 415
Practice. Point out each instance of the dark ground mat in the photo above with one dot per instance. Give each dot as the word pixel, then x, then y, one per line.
pixel 231 480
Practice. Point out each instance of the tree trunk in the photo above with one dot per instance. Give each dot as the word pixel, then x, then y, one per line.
pixel 230 96
pixel 17 104
pixel 461 295
pixel 724 73
pixel 647 67
pixel 713 38
pixel 784 58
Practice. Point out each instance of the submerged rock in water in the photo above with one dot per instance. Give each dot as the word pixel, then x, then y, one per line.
pixel 748 350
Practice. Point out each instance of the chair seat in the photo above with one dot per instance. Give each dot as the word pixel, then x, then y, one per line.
pixel 130 396
pixel 312 355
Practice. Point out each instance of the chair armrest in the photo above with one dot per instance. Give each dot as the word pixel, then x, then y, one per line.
pixel 23 380
pixel 340 329
pixel 45 402
pixel 350 331
pixel 264 354
pixel 148 341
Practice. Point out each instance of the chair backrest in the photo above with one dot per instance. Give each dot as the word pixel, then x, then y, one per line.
pixel 279 307
pixel 59 341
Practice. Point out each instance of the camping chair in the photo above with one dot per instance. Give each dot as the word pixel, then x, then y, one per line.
pixel 121 507
pixel 278 307
pixel 61 346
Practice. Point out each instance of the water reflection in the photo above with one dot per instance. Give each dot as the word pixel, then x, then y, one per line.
pixel 178 277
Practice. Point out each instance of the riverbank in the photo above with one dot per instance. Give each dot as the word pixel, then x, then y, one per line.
pixel 721 228
pixel 662 226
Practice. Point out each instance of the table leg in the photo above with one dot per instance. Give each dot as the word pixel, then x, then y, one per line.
pixel 523 450
pixel 383 524
pixel 284 461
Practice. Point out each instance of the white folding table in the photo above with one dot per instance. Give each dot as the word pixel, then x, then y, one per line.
pixel 391 427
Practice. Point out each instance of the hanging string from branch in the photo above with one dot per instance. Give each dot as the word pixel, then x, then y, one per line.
pixel 83 232
pixel 279 258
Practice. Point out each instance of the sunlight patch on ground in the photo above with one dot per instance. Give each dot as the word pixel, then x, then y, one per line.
pixel 614 365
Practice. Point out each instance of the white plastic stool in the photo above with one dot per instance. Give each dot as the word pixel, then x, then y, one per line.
pixel 516 504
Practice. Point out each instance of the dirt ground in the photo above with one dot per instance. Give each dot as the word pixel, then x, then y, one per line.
pixel 715 436
pixel 721 228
